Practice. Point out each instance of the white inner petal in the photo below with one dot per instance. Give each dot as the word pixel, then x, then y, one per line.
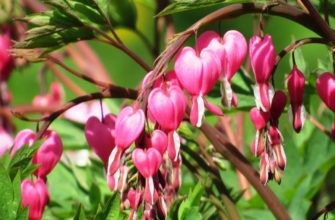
pixel 151 189
pixel 116 177
pixel 271 92
pixel 176 141
pixel 124 178
pixel 302 115
pixel 164 206
pixel 228 92
pixel 201 110
pixel 111 158
pixel 257 95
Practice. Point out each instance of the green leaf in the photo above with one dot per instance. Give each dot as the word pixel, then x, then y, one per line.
pixel 74 20
pixel 8 206
pixel 191 202
pixel 185 5
pixel 80 214
pixel 122 13
pixel 111 210
pixel 22 158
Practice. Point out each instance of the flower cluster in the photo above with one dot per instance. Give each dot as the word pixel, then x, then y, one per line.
pixel 35 193
pixel 268 143
pixel 156 152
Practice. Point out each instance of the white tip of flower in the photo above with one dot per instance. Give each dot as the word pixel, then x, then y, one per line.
pixel 271 92
pixel 228 93
pixel 116 177
pixel 258 101
pixel 201 110
pixel 152 189
pixel 176 140
pixel 111 158
pixel 302 115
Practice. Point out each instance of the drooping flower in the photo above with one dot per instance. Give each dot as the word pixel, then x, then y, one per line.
pixel 167 105
pixel 134 197
pixel 6 60
pixel 148 163
pixel 47 155
pixel 277 106
pixel 100 136
pixel 128 126
pixel 55 97
pixel 198 71
pixel 296 85
pixel 325 85
pixel 259 120
pixel 263 58
pixel 231 49
pixel 35 195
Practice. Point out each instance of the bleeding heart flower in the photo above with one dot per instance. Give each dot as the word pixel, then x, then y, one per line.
pixel 264 168
pixel 275 139
pixel 259 119
pixel 148 163
pixel 35 196
pixel 25 136
pixel 159 141
pixel 55 97
pixel 167 105
pixel 100 136
pixel 48 154
pixel 6 60
pixel 134 197
pixel 6 141
pixel 277 106
pixel 325 85
pixel 128 127
pixel 231 49
pixel 118 180
pixel 197 72
pixel 263 59
pixel 296 85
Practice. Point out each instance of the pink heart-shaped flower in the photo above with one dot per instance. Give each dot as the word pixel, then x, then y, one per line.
pixel 167 105
pixel 159 141
pixel 100 136
pixel 48 154
pixel 325 85
pixel 35 196
pixel 129 125
pixel 197 73
pixel 147 162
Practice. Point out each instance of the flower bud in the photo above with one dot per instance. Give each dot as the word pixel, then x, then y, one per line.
pixel 6 60
pixel 6 141
pixel 296 84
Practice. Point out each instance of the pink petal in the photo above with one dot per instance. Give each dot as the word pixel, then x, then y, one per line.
pixel 213 108
pixel 100 136
pixel 159 141
pixel 188 67
pixel 6 141
pixel 25 136
pixel 235 47
pixel 325 85
pixel 48 155
pixel 129 125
